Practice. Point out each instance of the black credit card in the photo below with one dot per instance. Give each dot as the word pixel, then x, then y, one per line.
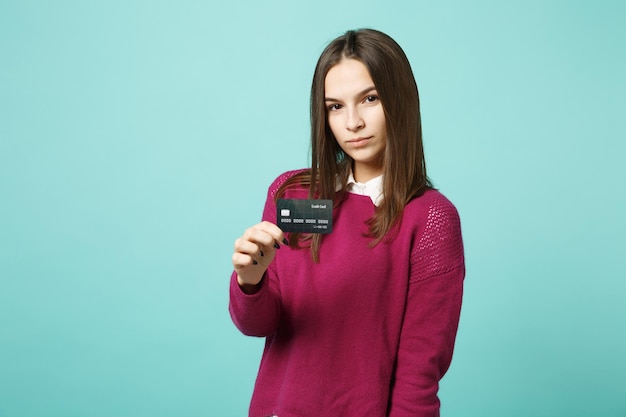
pixel 304 215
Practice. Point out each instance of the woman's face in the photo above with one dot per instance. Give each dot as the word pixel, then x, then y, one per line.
pixel 356 117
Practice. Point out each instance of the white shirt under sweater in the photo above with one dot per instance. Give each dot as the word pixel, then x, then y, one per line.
pixel 372 188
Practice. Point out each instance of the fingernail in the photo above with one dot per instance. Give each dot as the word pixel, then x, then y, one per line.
pixel 254 262
pixel 276 245
pixel 261 252
pixel 285 241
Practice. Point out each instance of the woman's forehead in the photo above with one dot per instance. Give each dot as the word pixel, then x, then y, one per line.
pixel 347 78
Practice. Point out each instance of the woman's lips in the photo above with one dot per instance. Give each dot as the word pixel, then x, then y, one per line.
pixel 358 142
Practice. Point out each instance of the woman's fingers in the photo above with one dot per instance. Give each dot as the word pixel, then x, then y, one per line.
pixel 246 246
pixel 244 252
pixel 241 260
pixel 271 234
pixel 255 250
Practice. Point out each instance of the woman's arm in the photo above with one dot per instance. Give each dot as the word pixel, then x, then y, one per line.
pixel 254 291
pixel 432 314
pixel 426 344
pixel 255 314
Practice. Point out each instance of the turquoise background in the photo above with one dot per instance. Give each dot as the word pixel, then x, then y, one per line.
pixel 137 141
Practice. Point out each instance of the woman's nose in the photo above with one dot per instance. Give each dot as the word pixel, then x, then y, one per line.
pixel 354 120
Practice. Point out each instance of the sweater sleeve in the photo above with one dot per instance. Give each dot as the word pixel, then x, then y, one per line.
pixel 255 314
pixel 432 313
pixel 258 314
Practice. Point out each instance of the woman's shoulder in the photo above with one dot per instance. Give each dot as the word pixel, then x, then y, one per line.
pixel 431 200
pixel 433 210
pixel 438 244
pixel 283 178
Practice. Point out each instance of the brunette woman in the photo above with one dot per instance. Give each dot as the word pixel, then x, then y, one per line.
pixel 361 321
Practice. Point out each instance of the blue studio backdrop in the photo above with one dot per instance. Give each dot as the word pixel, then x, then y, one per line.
pixel 137 141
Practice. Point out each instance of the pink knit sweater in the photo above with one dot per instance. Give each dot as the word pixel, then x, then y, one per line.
pixel 366 331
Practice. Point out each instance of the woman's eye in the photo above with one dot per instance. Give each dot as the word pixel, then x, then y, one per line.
pixel 334 107
pixel 371 99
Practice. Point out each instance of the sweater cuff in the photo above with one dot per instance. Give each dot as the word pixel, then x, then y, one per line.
pixel 247 290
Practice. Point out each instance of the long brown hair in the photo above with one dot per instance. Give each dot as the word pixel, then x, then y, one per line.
pixel 404 167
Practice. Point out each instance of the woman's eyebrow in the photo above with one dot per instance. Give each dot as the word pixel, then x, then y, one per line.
pixel 360 93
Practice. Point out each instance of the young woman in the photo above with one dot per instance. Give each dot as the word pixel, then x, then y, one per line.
pixel 361 321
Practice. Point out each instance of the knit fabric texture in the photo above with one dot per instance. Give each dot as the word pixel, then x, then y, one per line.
pixel 367 331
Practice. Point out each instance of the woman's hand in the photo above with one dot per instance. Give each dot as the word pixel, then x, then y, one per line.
pixel 255 251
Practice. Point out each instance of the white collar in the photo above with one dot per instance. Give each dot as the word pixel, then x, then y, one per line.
pixel 372 188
